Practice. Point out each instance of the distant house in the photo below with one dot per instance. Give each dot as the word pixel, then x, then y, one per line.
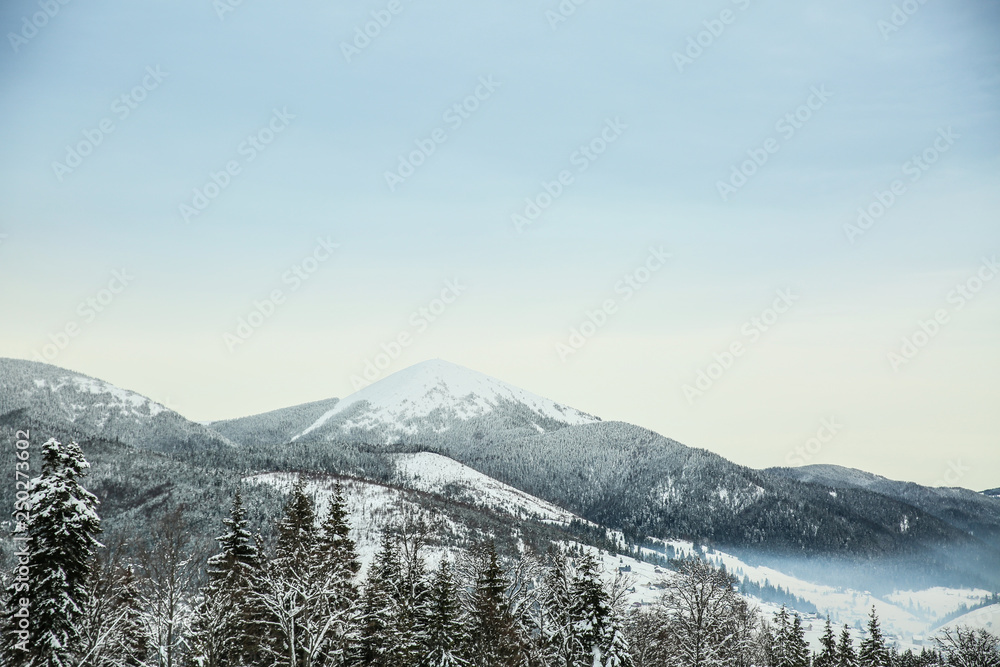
pixel 625 568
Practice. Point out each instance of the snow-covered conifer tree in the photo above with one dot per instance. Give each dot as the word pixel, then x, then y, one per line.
pixel 63 525
pixel 872 651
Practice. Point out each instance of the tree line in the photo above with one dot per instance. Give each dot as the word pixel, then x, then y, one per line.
pixel 299 601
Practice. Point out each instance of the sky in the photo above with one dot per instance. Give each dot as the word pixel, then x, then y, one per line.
pixel 765 229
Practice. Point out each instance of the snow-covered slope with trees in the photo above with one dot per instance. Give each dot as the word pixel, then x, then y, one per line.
pixel 274 427
pixel 87 406
pixel 975 513
pixel 434 473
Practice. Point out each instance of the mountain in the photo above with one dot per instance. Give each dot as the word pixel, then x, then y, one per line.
pixel 631 479
pixel 509 441
pixel 276 426
pixel 436 397
pixel 992 493
pixel 90 408
pixel 975 513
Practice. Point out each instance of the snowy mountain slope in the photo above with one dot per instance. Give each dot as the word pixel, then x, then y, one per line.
pixel 632 479
pixel 273 427
pixel 617 475
pixel 434 473
pixel 972 512
pixel 374 508
pixel 435 396
pixel 985 618
pixel 87 406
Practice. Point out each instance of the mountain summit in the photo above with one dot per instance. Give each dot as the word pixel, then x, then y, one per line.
pixel 436 396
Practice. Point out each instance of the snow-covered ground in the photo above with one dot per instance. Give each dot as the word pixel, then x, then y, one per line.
pixel 436 385
pixel 434 473
pixel 937 602
pixel 987 618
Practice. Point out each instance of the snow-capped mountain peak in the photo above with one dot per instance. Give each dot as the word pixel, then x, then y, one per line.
pixel 436 394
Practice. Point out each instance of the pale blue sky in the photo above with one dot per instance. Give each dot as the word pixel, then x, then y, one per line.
pixel 655 185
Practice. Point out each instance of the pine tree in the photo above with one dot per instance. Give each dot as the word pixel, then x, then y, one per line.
pixel 782 649
pixel 377 645
pixel 63 524
pixel 557 629
pixel 596 628
pixel 493 629
pixel 414 593
pixel 798 646
pixel 872 652
pixel 827 657
pixel 227 627
pixel 336 563
pixel 445 631
pixel 297 528
pixel 846 657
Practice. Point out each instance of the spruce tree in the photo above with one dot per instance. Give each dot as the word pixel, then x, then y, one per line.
pixel 227 626
pixel 846 657
pixel 798 646
pixel 782 648
pixel 336 561
pixel 63 524
pixel 445 630
pixel 827 657
pixel 493 629
pixel 596 628
pixel 872 652
pixel 297 528
pixel 379 620
pixel 557 629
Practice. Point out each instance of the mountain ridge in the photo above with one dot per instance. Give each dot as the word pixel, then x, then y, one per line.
pixel 615 474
